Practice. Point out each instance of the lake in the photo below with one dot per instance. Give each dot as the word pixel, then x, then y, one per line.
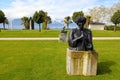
pixel 16 25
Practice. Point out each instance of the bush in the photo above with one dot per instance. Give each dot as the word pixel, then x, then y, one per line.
pixel 111 27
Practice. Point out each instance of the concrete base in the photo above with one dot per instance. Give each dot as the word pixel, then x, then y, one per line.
pixel 63 37
pixel 81 62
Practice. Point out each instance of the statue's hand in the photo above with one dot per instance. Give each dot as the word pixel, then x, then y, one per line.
pixel 78 38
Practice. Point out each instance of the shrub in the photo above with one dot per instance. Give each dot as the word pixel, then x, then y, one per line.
pixel 111 27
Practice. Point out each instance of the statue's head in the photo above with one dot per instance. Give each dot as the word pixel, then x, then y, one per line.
pixel 80 21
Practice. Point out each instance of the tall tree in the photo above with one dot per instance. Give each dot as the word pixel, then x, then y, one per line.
pixel 31 23
pixel 46 21
pixel 25 22
pixel 114 8
pixel 3 19
pixel 2 16
pixel 39 17
pixel 88 20
pixel 67 20
pixel 5 22
pixel 99 13
pixel 116 19
pixel 77 14
pixel 102 13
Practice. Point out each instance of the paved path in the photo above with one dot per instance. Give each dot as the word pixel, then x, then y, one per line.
pixel 56 38
pixel 106 38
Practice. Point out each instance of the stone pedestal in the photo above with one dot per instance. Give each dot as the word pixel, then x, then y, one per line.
pixel 81 62
pixel 63 37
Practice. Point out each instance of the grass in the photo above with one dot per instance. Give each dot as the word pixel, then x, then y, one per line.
pixel 51 33
pixel 46 60
pixel 105 33
pixel 29 33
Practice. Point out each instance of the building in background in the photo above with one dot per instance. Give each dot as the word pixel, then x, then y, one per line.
pixel 96 26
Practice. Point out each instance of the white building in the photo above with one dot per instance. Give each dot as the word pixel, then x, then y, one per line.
pixel 96 26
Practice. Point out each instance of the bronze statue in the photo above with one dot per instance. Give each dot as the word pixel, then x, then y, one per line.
pixel 80 38
pixel 63 30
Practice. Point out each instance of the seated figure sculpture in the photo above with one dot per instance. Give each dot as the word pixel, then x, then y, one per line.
pixel 63 30
pixel 80 38
pixel 63 35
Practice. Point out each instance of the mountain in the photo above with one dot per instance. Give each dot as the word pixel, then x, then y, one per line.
pixel 56 24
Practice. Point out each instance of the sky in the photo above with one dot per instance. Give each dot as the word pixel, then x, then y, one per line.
pixel 57 9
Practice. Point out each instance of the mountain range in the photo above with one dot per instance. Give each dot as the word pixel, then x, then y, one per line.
pixel 56 24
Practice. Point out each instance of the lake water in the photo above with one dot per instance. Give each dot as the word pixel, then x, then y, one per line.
pixel 16 24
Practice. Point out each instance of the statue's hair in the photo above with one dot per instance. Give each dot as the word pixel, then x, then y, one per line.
pixel 80 19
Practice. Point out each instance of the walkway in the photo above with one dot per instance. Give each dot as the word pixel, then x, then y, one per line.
pixel 56 38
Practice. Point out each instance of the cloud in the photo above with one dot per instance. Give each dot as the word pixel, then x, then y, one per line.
pixel 55 8
pixel 20 8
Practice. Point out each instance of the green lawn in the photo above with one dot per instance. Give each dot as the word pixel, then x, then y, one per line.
pixel 51 33
pixel 46 60
pixel 105 33
pixel 29 33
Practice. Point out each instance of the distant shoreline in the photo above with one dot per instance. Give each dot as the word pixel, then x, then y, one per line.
pixel 57 25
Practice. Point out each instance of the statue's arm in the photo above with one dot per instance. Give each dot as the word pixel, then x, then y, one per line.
pixel 90 45
pixel 90 37
pixel 78 38
pixel 71 37
pixel 72 40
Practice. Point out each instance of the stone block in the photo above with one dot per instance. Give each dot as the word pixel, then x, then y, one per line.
pixel 63 37
pixel 81 62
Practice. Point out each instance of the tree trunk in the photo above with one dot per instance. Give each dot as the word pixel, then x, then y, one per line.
pixel 46 25
pixel 115 27
pixel 32 24
pixel 4 26
pixel 39 28
pixel 67 26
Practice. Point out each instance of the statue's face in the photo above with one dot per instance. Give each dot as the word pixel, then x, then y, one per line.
pixel 80 25
pixel 80 21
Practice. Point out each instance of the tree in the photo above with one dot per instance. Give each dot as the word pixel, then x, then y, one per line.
pixel 25 22
pixel 5 22
pixel 46 21
pixel 3 19
pixel 77 14
pixel 116 19
pixel 102 13
pixel 67 21
pixel 39 17
pixel 2 16
pixel 31 23
pixel 114 8
pixel 99 13
pixel 88 20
